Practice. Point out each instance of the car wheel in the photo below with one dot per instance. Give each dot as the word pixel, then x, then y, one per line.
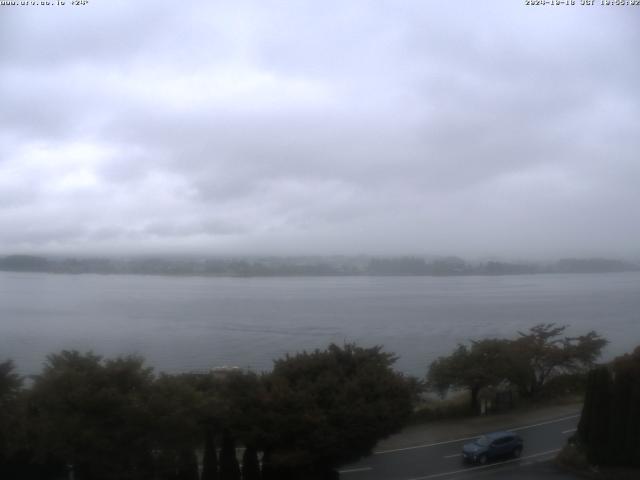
pixel 482 460
pixel 517 452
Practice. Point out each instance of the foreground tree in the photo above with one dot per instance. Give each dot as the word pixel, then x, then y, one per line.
pixel 609 428
pixel 11 416
pixel 93 415
pixel 485 363
pixel 330 407
pixel 229 467
pixel 542 353
pixel 626 408
pixel 209 458
pixel 187 465
pixel 250 464
pixel 176 408
pixel 528 362
pixel 595 420
pixel 10 381
pixel 238 407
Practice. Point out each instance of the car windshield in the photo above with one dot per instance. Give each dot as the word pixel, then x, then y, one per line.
pixel 482 441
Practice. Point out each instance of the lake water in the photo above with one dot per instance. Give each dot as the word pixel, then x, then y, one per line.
pixel 188 323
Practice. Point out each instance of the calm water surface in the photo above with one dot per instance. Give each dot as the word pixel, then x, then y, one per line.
pixel 191 323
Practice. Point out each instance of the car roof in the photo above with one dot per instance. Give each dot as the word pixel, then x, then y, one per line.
pixel 495 435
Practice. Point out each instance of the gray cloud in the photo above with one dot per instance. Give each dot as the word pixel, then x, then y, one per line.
pixel 289 128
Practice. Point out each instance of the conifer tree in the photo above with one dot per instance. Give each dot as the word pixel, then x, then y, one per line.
pixel 267 471
pixel 595 429
pixel 609 428
pixel 625 424
pixel 166 465
pixel 210 458
pixel 187 465
pixel 229 468
pixel 250 464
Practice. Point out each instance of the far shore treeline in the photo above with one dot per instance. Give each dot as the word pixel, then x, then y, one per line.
pixel 307 266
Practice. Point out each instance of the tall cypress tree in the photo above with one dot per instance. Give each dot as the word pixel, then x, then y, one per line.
pixel 229 468
pixel 621 412
pixel 585 425
pixel 250 464
pixel 594 427
pixel 634 424
pixel 267 470
pixel 634 420
pixel 625 425
pixel 276 470
pixel 187 465
pixel 167 465
pixel 210 458
pixel 609 427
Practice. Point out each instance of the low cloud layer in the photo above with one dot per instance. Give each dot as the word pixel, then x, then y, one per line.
pixel 320 128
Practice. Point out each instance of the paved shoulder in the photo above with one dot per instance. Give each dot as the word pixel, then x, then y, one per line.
pixel 439 457
pixel 545 470
pixel 438 431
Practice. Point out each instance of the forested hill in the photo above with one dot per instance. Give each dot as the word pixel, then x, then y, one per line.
pixel 306 266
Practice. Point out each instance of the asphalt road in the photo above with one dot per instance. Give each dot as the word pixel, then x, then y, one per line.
pixel 442 460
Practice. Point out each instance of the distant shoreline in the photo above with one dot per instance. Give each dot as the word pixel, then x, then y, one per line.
pixel 288 267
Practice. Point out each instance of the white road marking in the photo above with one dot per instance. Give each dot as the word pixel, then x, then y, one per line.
pixel 355 470
pixel 472 469
pixel 545 423
pixel 453 456
pixel 380 452
pixel 571 430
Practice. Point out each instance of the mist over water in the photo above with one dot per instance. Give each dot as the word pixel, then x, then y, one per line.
pixel 181 324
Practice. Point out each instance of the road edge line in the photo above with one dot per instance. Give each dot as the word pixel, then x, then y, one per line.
pixel 382 452
pixel 473 469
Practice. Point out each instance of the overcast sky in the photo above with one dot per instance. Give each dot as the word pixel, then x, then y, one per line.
pixel 334 127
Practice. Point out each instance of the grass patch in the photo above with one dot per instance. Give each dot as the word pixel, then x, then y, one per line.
pixel 454 406
pixel 573 459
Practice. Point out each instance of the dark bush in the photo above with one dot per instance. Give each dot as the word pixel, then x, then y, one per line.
pixel 561 385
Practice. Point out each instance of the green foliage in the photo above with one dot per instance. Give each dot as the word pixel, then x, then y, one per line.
pixel 485 363
pixel 609 428
pixel 166 464
pixel 269 470
pixel 330 407
pixel 187 465
pixel 241 406
pixel 10 382
pixel 541 353
pixel 626 409
pixel 572 457
pixel 455 406
pixel 93 414
pixel 210 457
pixel 11 415
pixel 564 384
pixel 229 468
pixel 593 428
pixel 250 464
pixel 175 406
pixel 113 419
pixel 529 363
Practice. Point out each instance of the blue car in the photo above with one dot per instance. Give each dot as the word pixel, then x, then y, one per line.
pixel 491 446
